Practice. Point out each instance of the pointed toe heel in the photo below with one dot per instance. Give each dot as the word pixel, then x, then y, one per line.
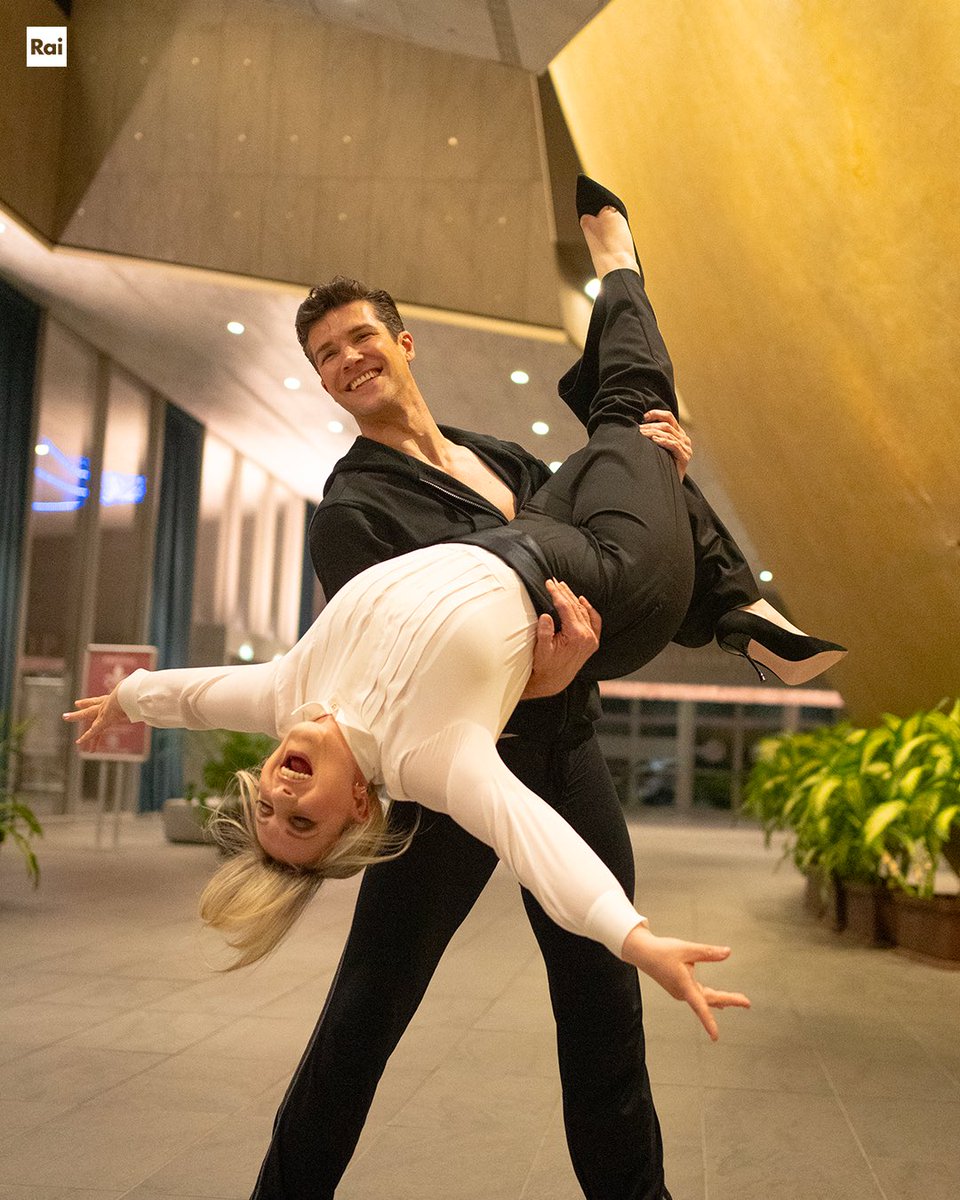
pixel 794 658
pixel 592 197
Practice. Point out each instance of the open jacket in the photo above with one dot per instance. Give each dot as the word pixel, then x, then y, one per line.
pixel 380 502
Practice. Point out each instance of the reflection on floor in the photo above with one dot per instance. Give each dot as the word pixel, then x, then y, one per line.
pixel 129 1069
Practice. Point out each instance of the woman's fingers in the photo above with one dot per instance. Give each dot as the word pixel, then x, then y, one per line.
pixel 81 705
pixel 725 999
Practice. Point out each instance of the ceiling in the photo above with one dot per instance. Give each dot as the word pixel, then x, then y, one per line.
pixel 790 172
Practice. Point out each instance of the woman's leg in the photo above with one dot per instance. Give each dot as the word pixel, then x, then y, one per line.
pixel 612 521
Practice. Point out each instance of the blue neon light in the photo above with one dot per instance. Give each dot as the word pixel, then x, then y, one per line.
pixel 116 487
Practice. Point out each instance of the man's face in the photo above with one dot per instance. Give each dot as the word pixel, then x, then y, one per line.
pixel 363 367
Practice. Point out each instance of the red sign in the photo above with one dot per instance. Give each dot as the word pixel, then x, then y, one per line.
pixel 103 668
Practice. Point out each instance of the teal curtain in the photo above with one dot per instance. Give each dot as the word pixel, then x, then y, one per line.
pixel 307 579
pixel 178 506
pixel 19 327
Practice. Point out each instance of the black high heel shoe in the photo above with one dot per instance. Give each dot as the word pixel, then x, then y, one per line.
pixel 793 657
pixel 592 196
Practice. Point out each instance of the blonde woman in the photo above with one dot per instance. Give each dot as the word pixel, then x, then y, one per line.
pixel 405 681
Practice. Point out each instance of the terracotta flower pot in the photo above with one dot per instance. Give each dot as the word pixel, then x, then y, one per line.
pixel 928 929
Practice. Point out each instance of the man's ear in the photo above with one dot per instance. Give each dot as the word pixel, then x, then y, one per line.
pixel 405 341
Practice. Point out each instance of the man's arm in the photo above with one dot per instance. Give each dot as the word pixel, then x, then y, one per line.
pixel 343 542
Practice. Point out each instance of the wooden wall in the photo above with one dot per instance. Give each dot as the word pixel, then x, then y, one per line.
pixel 791 172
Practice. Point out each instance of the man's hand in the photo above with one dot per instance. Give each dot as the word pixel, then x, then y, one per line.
pixel 662 427
pixel 559 654
pixel 95 715
pixel 671 961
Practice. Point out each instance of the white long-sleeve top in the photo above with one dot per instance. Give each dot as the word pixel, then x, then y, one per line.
pixel 420 660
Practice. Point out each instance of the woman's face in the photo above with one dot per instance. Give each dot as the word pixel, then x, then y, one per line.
pixel 310 791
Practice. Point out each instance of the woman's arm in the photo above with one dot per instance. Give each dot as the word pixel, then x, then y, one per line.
pixel 240 697
pixel 458 771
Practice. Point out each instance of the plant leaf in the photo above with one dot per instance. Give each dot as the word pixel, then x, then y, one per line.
pixel 881 817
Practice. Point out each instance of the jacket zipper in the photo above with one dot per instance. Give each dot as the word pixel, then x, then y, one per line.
pixel 482 505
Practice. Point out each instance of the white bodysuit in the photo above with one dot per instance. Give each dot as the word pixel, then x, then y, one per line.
pixel 421 660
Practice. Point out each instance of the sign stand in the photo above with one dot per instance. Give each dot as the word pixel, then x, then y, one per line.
pixel 104 667
pixel 119 778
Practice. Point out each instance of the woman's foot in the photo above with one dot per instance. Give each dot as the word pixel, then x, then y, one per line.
pixel 774 643
pixel 610 242
pixel 762 608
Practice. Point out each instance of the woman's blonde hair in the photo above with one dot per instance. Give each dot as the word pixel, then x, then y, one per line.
pixel 254 899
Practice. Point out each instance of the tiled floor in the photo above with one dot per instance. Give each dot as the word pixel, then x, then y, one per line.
pixel 128 1069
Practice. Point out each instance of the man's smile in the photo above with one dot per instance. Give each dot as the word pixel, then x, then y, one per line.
pixel 362 379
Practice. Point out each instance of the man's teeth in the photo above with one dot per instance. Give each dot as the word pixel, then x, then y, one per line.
pixel 362 379
pixel 287 773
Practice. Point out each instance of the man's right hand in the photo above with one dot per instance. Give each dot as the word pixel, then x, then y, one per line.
pixel 560 653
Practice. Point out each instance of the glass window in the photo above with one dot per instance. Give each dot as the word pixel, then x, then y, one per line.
pixel 119 614
pixel 67 401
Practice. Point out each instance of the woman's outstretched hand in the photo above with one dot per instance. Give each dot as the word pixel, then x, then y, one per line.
pixel 670 962
pixel 96 715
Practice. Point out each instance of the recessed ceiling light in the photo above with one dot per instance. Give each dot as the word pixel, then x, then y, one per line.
pixel 766 576
pixel 245 652
pixel 540 427
pixel 292 383
pixel 335 426
pixel 235 327
pixel 592 288
pixel 41 448
pixel 520 377
pixel 555 465
pixel 452 141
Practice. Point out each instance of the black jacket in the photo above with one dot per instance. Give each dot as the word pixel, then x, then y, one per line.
pixel 379 502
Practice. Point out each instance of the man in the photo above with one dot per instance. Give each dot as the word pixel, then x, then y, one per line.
pixel 406 483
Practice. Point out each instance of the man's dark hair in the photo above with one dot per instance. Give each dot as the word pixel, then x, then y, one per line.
pixel 325 297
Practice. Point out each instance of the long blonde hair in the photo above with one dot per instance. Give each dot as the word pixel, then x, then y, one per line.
pixel 253 899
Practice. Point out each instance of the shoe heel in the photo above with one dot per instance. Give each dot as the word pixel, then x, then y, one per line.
pixel 738 643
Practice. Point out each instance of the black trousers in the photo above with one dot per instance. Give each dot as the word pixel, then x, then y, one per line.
pixel 613 522
pixel 406 913
pixel 722 577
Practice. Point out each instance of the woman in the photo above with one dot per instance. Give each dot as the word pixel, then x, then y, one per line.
pixel 408 677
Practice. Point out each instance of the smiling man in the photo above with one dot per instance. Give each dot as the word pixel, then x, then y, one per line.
pixel 406 483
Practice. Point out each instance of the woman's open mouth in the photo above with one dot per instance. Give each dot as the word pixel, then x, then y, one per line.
pixel 296 767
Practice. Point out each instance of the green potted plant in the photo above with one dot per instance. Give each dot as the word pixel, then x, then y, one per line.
pixel 186 818
pixel 916 763
pixel 805 784
pixel 18 822
pixel 869 812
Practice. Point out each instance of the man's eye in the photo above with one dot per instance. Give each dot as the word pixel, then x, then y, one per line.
pixel 301 823
pixel 263 809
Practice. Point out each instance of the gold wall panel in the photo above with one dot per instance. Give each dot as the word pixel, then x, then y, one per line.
pixel 791 170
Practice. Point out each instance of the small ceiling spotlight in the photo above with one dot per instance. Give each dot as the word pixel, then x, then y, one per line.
pixel 245 652
pixel 766 576
pixel 335 426
pixel 540 427
pixel 592 288
pixel 41 448
pixel 519 377
pixel 235 327
pixel 291 383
